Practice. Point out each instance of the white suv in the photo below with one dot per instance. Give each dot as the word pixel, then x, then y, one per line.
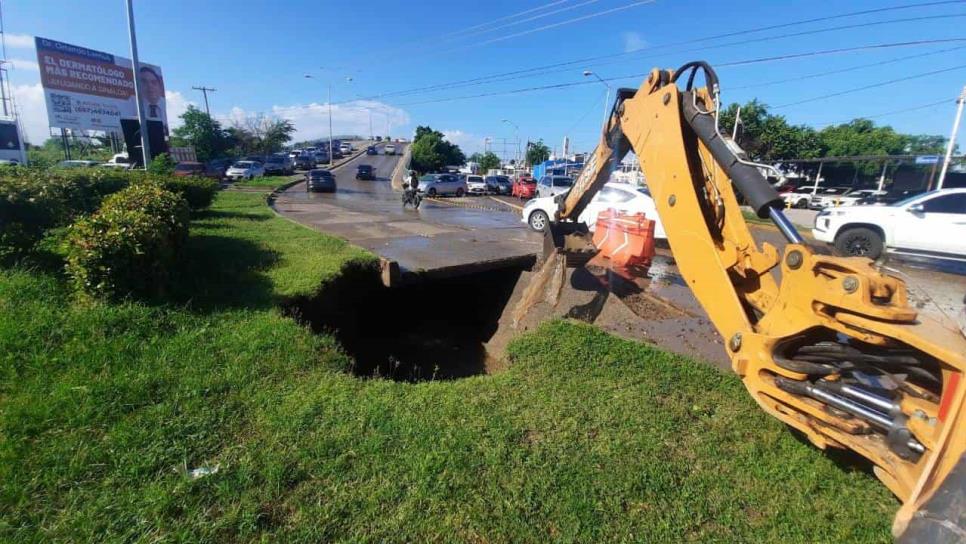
pixel 930 225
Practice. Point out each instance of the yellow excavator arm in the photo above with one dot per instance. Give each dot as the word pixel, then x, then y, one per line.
pixel 828 345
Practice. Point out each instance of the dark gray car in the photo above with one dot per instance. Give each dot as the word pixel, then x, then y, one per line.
pixel 319 180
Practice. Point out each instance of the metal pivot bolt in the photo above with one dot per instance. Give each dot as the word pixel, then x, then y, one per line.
pixel 794 259
pixel 735 342
pixel 672 200
pixel 667 98
pixel 850 284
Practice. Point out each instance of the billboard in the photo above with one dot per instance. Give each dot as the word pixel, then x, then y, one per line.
pixel 93 90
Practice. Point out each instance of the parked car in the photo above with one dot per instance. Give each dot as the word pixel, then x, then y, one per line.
pixel 442 184
pixel 345 148
pixel 932 224
pixel 305 161
pixel 854 196
pixel 826 197
pixel 476 185
pixel 255 158
pixel 554 185
pixel 245 170
pixel 320 180
pixel 365 172
pixel 216 168
pixel 279 164
pixel 112 165
pixel 378 138
pixel 390 149
pixel 620 196
pixel 888 197
pixel 77 164
pixel 189 169
pixel 499 185
pixel 797 198
pixel 371 150
pixel 322 158
pixel 524 188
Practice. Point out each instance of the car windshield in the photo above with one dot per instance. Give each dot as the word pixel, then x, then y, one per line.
pixel 562 182
pixel 242 164
pixel 644 191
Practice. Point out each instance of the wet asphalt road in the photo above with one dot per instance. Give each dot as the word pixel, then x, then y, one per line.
pixel 437 238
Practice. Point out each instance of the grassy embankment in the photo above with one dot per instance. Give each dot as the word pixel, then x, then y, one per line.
pixel 106 409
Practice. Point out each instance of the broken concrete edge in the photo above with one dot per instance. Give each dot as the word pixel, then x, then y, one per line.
pixel 471 206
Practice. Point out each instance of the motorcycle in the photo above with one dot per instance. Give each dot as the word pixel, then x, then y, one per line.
pixel 411 197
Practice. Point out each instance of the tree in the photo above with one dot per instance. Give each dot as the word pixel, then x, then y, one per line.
pixel 162 165
pixel 431 151
pixel 261 135
pixel 488 161
pixel 767 137
pixel 537 152
pixel 203 133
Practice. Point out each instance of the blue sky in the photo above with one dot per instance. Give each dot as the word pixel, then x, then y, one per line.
pixel 256 54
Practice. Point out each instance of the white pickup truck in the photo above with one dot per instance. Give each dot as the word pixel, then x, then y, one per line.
pixel 932 224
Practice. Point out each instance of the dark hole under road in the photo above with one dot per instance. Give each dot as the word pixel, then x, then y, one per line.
pixel 433 330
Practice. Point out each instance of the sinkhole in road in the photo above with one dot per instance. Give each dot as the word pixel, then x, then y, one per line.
pixel 432 330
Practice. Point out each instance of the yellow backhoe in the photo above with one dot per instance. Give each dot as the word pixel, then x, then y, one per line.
pixel 828 345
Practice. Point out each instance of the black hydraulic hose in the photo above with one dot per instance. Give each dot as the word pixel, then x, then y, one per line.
pixel 752 185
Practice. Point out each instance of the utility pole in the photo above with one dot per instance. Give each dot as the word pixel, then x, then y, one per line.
pixel 952 137
pixel 205 90
pixel 142 121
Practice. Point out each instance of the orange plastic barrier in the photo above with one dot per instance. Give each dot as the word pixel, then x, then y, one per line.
pixel 624 239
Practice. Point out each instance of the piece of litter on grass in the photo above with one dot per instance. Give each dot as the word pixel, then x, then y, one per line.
pixel 201 472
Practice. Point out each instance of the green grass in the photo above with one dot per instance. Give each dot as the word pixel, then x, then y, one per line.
pixel 267 182
pixel 105 409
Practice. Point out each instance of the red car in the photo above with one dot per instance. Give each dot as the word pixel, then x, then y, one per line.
pixel 524 188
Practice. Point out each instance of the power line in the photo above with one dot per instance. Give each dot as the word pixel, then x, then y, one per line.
pixel 205 90
pixel 742 42
pixel 759 60
pixel 504 18
pixel 526 72
pixel 845 70
pixel 562 23
pixel 871 86
pixel 532 18
pixel 893 112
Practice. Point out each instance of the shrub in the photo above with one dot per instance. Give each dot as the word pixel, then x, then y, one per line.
pixel 33 200
pixel 162 165
pixel 197 192
pixel 128 246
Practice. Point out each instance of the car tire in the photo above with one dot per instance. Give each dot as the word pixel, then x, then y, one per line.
pixel 538 220
pixel 859 242
pixel 431 192
pixel 802 204
pixel 459 192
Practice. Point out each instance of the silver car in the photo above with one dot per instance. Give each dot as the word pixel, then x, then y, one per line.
pixel 553 185
pixel 442 184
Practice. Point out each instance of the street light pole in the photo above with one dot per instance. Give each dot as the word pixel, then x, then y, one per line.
pixel 952 138
pixel 587 73
pixel 516 130
pixel 142 121
pixel 328 101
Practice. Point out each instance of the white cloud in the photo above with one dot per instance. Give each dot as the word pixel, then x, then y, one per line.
pixel 469 143
pixel 633 41
pixel 176 104
pixel 312 120
pixel 24 64
pixel 33 112
pixel 19 41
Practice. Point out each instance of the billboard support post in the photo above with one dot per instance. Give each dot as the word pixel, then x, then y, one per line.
pixel 142 122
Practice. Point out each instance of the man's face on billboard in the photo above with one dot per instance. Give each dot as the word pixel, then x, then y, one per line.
pixel 153 87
